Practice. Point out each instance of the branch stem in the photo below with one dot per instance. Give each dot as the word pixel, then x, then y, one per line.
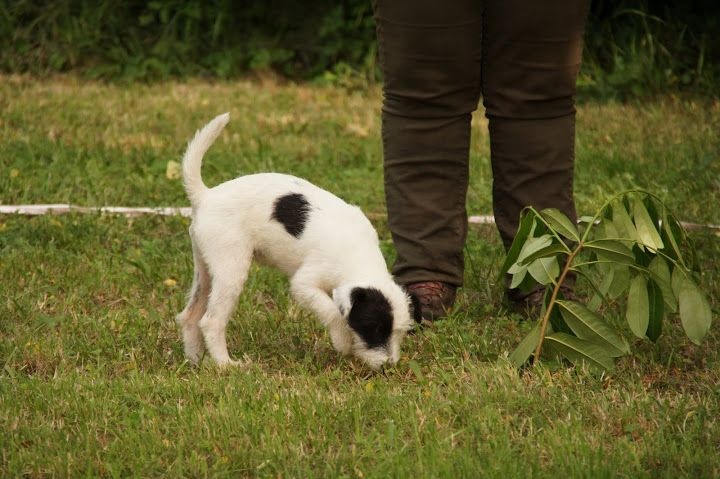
pixel 553 298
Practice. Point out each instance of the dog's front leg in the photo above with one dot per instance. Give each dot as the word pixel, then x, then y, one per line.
pixel 316 300
pixel 340 337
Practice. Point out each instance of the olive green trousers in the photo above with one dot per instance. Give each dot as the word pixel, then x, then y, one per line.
pixel 438 58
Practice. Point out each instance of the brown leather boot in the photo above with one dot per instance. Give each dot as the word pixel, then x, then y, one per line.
pixel 434 298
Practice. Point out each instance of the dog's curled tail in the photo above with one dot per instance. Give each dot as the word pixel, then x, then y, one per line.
pixel 192 161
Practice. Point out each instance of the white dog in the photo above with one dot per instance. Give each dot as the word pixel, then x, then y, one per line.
pixel 327 247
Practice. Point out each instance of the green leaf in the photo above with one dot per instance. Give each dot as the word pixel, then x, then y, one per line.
pixel 646 230
pixel 673 234
pixel 517 278
pixel 560 223
pixel 695 313
pixel 643 255
pixel 659 267
pixel 556 319
pixel 608 230
pixel 678 278
pixel 549 251
pixel 638 309
pixel 517 268
pixel 579 351
pixel 612 250
pixel 660 275
pixel 527 283
pixel 651 206
pixel 623 223
pixel 524 230
pixel 597 299
pixel 615 279
pixel 656 311
pixel 620 281
pixel 532 246
pixel 544 270
pixel 592 327
pixel 526 348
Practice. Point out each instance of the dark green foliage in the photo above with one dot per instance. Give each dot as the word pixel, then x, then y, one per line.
pixel 162 38
pixel 633 47
pixel 637 47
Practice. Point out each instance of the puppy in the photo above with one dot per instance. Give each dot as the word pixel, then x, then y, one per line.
pixel 327 247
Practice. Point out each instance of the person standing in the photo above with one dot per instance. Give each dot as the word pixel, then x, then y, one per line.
pixel 438 58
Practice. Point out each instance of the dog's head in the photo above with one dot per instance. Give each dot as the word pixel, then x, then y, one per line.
pixel 378 317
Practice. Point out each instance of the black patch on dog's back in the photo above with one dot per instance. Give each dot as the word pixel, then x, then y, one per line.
pixel 370 316
pixel 292 211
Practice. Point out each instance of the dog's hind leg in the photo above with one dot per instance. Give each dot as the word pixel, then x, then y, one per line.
pixel 303 288
pixel 228 272
pixel 197 304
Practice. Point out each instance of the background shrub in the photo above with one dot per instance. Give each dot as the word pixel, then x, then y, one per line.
pixel 636 47
pixel 632 47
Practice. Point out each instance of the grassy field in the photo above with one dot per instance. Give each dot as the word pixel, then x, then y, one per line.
pixel 92 376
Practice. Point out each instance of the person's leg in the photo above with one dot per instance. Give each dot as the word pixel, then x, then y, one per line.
pixel 531 58
pixel 430 58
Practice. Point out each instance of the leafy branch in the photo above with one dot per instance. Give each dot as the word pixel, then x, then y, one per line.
pixel 633 247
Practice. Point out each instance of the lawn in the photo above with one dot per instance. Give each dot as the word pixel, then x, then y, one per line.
pixel 93 381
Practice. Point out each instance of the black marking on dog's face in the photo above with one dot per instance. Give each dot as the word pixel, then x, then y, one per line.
pixel 370 316
pixel 292 211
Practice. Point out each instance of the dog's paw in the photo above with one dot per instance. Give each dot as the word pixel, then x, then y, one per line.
pixel 230 363
pixel 341 340
pixel 234 363
pixel 193 358
pixel 193 346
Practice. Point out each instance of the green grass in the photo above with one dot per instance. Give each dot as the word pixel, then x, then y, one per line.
pixel 92 376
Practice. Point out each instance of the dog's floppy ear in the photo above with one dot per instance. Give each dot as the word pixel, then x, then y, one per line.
pixel 415 308
pixel 370 316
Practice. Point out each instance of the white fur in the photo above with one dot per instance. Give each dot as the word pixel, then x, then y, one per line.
pixel 337 252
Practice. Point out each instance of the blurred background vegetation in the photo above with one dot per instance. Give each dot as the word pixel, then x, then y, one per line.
pixel 633 47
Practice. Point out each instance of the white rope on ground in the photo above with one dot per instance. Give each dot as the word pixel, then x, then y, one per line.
pixel 685 224
pixel 56 209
